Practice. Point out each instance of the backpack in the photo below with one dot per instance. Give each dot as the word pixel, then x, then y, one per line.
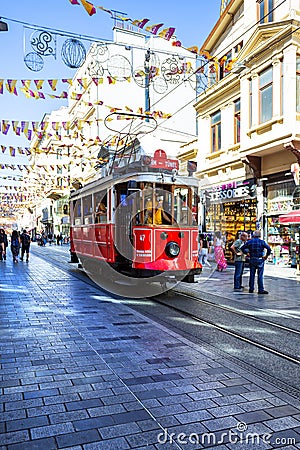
pixel 26 240
pixel 15 242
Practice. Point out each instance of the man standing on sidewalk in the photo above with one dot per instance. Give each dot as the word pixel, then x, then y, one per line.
pixel 239 260
pixel 256 248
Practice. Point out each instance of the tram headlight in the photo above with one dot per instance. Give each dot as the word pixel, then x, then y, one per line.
pixel 172 249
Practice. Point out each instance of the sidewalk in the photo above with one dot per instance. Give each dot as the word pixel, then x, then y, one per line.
pixel 80 370
pixel 282 283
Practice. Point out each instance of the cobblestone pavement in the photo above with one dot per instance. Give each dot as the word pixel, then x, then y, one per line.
pixel 81 370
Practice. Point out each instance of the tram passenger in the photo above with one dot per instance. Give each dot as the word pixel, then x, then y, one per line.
pixel 160 215
pixel 101 212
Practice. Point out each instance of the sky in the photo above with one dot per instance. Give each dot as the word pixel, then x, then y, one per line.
pixel 193 21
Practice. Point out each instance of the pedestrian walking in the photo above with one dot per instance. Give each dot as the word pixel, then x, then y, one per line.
pixel 258 251
pixel 50 238
pixel 15 245
pixel 3 244
pixel 219 252
pixel 25 247
pixel 239 260
pixel 203 250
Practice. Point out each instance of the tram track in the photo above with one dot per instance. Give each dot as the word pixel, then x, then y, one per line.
pixel 270 362
pixel 229 332
pixel 235 334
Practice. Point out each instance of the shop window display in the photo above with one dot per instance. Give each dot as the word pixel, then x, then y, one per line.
pixel 283 241
pixel 230 218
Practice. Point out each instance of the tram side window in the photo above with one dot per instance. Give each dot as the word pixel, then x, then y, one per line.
pixel 181 213
pixel 87 210
pixel 100 202
pixel 195 202
pixel 77 212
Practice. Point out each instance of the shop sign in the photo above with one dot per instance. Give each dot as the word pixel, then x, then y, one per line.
pixel 280 206
pixel 233 190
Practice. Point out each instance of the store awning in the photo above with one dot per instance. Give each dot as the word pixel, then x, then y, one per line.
pixel 291 217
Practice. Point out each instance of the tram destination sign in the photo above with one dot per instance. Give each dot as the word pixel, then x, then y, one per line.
pixel 233 190
pixel 160 161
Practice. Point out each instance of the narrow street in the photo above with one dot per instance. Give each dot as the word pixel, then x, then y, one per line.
pixel 82 369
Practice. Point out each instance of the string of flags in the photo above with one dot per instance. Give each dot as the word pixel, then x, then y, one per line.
pixel 165 33
pixel 31 128
pixel 33 88
pixel 156 29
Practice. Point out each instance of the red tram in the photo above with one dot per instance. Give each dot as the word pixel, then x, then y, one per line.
pixel 137 223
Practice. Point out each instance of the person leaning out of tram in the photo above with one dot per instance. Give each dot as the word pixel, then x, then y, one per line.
pixel 160 216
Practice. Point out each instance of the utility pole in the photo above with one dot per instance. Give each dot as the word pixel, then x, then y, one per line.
pixel 147 82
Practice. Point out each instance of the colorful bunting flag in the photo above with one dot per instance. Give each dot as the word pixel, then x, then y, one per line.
pixel 89 7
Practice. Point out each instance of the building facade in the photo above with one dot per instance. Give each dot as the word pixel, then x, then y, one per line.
pixel 248 151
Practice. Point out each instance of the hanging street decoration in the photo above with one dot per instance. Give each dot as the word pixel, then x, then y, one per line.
pixel 73 53
pixel 44 44
pixel 29 129
pixel 209 66
pixel 34 61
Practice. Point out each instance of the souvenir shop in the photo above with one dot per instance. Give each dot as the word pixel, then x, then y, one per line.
pixel 230 208
pixel 280 192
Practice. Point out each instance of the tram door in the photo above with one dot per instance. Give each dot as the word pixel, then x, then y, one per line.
pixel 123 223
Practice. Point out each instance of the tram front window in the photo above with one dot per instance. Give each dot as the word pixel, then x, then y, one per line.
pixel 181 210
pixel 157 215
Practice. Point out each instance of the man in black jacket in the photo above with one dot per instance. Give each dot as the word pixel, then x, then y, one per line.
pixel 25 241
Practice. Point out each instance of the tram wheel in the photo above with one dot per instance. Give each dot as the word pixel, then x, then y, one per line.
pixel 189 278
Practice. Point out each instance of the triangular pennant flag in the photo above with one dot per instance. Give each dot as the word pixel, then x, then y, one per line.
pixel 193 49
pixel 35 126
pixel 15 124
pixel 39 84
pixel 67 80
pixel 26 83
pixel 26 92
pixel 5 126
pixel 167 33
pixel 154 28
pixel 140 23
pixel 11 86
pixel 111 80
pixel 89 7
pixel 52 84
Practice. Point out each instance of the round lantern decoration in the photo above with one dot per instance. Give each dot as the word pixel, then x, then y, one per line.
pixel 34 61
pixel 73 53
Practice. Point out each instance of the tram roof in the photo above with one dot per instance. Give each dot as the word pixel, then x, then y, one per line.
pixel 147 177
